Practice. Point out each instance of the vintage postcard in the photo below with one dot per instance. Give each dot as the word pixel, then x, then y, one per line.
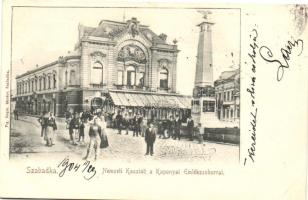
pixel 153 101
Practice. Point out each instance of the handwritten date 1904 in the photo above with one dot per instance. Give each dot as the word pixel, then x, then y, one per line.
pixel 267 55
pixel 86 168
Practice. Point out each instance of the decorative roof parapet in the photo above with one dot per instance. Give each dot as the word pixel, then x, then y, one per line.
pixel 165 47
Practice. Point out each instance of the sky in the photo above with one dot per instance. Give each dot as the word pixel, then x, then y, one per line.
pixel 41 35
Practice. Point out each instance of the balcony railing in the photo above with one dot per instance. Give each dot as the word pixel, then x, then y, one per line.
pixel 101 85
pixel 131 87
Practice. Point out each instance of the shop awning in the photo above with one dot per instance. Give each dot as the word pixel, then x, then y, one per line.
pixel 150 100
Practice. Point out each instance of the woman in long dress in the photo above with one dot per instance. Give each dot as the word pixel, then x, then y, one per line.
pixel 50 130
pixel 144 126
pixel 104 140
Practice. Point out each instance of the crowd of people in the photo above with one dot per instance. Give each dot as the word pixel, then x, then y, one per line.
pixel 166 128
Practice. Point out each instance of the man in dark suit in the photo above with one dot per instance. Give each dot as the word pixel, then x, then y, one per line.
pixel 43 121
pixel 150 136
pixel 119 121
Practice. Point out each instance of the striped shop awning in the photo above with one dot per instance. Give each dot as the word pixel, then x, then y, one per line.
pixel 120 98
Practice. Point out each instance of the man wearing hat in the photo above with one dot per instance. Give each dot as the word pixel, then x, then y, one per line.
pixel 150 136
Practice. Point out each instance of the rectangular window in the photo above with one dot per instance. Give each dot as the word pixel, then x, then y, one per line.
pixel 120 78
pixel 140 79
pixel 208 106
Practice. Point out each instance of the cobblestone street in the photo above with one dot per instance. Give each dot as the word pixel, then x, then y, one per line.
pixel 26 142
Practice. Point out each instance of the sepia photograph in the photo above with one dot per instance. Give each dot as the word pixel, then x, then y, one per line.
pixel 147 83
pixel 173 100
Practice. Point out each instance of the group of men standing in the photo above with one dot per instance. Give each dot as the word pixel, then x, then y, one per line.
pixel 167 128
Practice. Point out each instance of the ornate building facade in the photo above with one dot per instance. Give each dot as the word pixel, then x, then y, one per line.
pixel 115 65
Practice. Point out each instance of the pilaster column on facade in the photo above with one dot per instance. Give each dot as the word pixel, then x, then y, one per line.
pixel 174 73
pixel 111 67
pixel 145 76
pixel 84 65
pixel 153 71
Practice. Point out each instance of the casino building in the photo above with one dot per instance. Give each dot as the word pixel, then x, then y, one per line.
pixel 115 66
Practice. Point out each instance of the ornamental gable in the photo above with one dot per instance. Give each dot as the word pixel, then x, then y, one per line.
pixel 113 30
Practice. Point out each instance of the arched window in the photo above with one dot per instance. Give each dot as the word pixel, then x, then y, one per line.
pixel 97 73
pixel 163 78
pixel 131 75
pixel 44 83
pixel 49 82
pixel 32 85
pixel 35 84
pixel 54 81
pixel 72 80
pixel 66 78
pixel 40 83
